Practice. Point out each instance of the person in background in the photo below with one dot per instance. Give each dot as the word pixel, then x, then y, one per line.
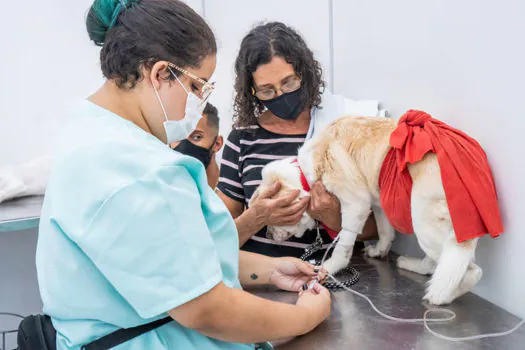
pixel 204 143
pixel 278 95
pixel 130 232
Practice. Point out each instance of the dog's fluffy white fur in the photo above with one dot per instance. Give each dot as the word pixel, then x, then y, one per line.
pixel 347 158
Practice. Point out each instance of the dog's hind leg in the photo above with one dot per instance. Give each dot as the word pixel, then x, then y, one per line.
pixel 450 271
pixel 471 278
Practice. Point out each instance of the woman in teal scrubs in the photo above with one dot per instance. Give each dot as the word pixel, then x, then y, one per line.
pixel 130 231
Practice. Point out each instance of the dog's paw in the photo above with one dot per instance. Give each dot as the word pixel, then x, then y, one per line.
pixel 375 251
pixel 410 264
pixel 438 295
pixel 438 299
pixel 404 263
pixel 333 266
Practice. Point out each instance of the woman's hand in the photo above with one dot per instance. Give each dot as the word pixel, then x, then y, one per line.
pixel 268 207
pixel 278 209
pixel 325 207
pixel 316 303
pixel 291 273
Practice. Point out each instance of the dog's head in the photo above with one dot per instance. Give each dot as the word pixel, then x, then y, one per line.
pixel 289 175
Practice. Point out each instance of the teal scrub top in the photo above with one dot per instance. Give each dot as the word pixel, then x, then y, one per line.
pixel 129 230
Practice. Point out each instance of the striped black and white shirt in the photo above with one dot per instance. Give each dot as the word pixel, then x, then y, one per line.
pixel 245 153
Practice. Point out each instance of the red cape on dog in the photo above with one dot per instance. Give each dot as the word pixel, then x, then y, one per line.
pixel 465 172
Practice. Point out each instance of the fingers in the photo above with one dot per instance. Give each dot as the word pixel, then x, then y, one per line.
pixel 316 193
pixel 291 215
pixel 314 287
pixel 306 268
pixel 319 289
pixel 322 274
pixel 302 289
pixel 291 220
pixel 295 208
pixel 318 188
pixel 286 199
pixel 323 204
pixel 271 191
pixel 320 195
pixel 308 287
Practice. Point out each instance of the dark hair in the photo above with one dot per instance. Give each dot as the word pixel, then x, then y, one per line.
pixel 259 47
pixel 138 33
pixel 212 116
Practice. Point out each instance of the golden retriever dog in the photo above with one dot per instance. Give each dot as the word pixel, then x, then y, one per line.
pixel 347 157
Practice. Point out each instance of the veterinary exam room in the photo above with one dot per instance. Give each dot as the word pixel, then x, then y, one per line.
pixel 278 174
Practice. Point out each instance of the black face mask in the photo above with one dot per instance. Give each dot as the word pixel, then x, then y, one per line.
pixel 287 106
pixel 200 153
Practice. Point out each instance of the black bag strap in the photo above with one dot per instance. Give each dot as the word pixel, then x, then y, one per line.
pixel 123 335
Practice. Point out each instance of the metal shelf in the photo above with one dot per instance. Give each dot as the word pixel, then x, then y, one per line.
pixel 20 214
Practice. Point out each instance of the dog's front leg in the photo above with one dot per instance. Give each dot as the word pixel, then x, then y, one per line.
pixel 354 216
pixel 342 252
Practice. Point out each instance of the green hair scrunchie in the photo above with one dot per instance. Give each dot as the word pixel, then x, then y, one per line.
pixel 104 15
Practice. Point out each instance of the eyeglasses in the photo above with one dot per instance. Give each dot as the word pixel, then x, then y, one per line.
pixel 206 87
pixel 267 94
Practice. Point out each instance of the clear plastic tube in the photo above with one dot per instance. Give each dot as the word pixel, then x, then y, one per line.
pixel 397 319
pixel 425 319
pixel 472 337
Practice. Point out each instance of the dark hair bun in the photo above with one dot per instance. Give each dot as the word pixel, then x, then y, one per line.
pixel 135 34
pixel 102 16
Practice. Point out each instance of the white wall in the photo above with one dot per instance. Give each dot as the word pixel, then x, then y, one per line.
pixel 197 5
pixel 47 60
pixel 463 62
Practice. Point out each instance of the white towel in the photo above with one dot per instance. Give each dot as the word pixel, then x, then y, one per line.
pixel 336 106
pixel 28 179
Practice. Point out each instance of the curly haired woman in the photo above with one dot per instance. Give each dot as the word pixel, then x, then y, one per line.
pixel 279 100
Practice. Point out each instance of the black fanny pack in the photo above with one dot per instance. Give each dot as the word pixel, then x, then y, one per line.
pixel 37 332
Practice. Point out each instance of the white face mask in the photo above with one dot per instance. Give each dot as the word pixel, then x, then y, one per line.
pixel 177 130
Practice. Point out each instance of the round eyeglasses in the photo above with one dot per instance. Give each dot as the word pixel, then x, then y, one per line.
pixel 206 87
pixel 268 93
